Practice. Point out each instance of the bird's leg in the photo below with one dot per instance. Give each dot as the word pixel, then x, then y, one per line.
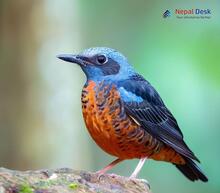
pixel 138 168
pixel 110 166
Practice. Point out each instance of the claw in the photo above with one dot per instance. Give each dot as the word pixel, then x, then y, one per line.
pixel 144 181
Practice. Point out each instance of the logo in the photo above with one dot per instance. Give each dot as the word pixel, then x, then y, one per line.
pixel 166 14
pixel 193 12
pixel 189 13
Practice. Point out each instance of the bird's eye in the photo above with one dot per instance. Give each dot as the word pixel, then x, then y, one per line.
pixel 102 59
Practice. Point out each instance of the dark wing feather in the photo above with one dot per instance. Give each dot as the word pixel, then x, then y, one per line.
pixel 153 115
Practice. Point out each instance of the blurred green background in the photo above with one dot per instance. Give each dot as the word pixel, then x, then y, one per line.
pixel 41 123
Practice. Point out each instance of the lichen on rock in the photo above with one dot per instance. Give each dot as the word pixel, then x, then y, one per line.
pixel 66 180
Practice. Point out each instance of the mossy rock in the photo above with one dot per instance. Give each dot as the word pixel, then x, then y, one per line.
pixel 66 180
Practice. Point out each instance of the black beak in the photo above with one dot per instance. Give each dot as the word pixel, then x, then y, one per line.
pixel 71 58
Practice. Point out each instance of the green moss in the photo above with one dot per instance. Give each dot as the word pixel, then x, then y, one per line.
pixel 73 186
pixel 25 188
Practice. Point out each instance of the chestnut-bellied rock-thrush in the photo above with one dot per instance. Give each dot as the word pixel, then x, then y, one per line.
pixel 125 115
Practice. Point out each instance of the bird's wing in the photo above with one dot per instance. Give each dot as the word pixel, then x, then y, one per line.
pixel 143 103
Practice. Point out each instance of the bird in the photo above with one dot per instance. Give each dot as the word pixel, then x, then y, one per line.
pixel 125 115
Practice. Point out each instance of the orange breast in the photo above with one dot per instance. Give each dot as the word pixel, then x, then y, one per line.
pixel 112 129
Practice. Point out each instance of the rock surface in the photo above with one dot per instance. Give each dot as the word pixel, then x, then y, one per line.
pixel 66 180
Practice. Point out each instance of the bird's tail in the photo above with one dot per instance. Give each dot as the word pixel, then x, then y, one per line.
pixel 192 171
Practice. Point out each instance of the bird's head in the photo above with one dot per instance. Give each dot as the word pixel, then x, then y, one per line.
pixel 101 63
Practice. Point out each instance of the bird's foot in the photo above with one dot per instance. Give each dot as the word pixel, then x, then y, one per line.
pixel 135 180
pixel 103 176
pixel 100 172
pixel 132 176
pixel 114 175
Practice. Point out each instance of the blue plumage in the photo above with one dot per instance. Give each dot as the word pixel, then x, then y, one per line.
pixel 129 96
pixel 140 101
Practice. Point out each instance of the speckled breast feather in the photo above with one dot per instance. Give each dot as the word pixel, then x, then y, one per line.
pixel 114 131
